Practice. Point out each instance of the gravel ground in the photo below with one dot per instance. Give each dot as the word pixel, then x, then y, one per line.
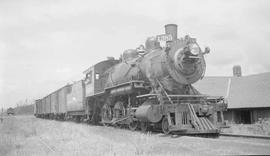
pixel 27 135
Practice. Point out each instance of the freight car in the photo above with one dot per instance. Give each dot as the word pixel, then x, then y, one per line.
pixel 54 105
pixel 38 108
pixel 10 111
pixel 75 101
pixel 147 88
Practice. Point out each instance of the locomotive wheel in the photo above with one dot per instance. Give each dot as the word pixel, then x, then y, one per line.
pixel 106 113
pixel 119 110
pixel 133 125
pixel 165 125
pixel 144 126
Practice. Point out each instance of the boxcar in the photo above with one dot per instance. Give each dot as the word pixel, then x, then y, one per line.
pixel 38 104
pixel 62 101
pixel 75 99
pixel 48 105
pixel 43 108
pixel 54 104
pixel 36 108
pixel 10 111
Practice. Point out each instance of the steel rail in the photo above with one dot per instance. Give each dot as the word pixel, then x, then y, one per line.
pixel 265 137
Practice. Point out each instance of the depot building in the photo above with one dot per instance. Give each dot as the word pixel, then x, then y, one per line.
pixel 248 96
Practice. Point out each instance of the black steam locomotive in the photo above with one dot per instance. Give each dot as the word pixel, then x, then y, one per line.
pixel 147 88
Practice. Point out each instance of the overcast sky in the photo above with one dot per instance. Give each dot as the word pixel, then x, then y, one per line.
pixel 45 44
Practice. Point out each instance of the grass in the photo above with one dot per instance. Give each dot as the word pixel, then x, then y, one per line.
pixel 20 136
pixel 12 134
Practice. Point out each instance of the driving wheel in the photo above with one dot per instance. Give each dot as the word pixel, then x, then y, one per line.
pixel 165 125
pixel 133 125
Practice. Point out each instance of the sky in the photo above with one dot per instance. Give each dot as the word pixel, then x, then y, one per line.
pixel 45 44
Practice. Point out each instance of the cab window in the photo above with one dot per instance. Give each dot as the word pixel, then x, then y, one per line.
pixel 97 76
pixel 89 77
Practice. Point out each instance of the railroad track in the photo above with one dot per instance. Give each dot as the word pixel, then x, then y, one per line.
pixel 246 136
pixel 263 137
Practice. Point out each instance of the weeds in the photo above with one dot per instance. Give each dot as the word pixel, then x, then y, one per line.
pixel 259 128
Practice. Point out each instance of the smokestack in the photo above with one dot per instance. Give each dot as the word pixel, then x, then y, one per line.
pixel 237 71
pixel 171 29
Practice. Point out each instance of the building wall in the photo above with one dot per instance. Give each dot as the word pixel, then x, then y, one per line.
pixel 247 115
pixel 228 116
pixel 262 113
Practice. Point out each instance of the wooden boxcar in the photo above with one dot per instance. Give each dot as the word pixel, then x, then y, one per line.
pixel 10 111
pixel 62 101
pixel 54 103
pixel 75 99
pixel 43 103
pixel 48 106
pixel 37 111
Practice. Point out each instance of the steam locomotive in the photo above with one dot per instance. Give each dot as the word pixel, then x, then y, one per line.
pixel 149 87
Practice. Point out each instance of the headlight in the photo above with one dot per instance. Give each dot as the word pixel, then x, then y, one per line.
pixel 194 49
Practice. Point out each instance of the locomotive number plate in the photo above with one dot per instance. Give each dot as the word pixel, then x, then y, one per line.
pixel 164 37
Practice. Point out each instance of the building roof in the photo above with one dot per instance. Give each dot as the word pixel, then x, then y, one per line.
pixel 251 91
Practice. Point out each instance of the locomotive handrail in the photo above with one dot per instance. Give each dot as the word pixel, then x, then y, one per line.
pixel 206 96
pixel 122 84
pixel 180 100
pixel 97 94
pixel 160 85
pixel 146 95
pixel 179 95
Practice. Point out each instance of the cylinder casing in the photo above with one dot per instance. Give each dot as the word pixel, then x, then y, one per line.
pixel 149 113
